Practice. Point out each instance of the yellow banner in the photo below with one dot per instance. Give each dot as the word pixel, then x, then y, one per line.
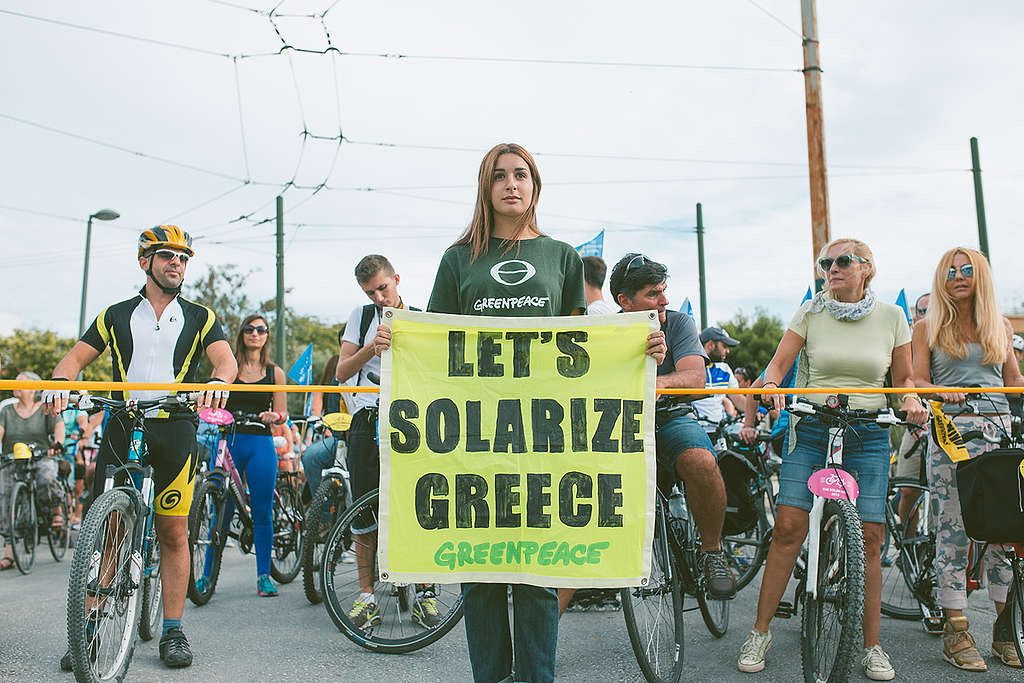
pixel 517 450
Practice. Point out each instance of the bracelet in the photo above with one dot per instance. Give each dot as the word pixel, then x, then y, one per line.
pixel 765 385
pixel 903 397
pixel 281 418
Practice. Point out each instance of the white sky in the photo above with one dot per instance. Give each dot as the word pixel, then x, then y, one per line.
pixel 905 86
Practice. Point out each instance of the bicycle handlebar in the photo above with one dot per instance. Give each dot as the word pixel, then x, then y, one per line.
pixel 93 404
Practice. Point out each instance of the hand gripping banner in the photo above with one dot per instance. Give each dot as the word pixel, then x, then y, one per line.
pixel 517 450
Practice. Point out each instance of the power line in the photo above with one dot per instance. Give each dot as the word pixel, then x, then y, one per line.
pixel 241 121
pixel 72 219
pixel 778 21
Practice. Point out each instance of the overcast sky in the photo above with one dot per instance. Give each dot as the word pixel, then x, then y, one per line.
pixel 630 149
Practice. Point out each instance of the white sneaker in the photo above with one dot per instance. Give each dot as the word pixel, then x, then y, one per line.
pixel 753 651
pixel 876 664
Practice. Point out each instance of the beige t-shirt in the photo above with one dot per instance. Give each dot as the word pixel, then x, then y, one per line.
pixel 854 353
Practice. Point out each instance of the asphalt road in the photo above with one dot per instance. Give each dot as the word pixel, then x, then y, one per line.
pixel 240 637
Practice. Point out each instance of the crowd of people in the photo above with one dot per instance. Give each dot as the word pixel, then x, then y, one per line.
pixel 843 336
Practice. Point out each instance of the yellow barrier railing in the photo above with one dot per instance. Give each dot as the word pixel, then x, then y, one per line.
pixel 10 384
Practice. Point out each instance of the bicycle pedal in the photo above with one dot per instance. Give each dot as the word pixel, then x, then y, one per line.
pixel 932 625
pixel 785 610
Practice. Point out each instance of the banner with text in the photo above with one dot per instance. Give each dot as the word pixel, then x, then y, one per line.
pixel 517 450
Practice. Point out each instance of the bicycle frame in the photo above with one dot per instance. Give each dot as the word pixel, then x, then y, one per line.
pixel 835 457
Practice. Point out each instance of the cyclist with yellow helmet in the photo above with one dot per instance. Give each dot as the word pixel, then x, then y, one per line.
pixel 157 336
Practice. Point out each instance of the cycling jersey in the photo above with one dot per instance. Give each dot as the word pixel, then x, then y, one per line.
pixel 718 376
pixel 146 349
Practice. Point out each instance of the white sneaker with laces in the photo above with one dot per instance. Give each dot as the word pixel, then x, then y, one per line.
pixel 876 664
pixel 753 651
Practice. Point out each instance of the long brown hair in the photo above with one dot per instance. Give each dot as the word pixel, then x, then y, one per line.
pixel 479 230
pixel 943 330
pixel 240 341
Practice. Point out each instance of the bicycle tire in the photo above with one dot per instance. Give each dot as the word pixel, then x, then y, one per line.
pixel 339 584
pixel 715 613
pixel 59 538
pixel 24 527
pixel 206 534
pixel 152 594
pixel 328 501
pixel 86 565
pixel 908 572
pixel 286 555
pixel 1015 602
pixel 747 552
pixel 842 541
pixel 655 608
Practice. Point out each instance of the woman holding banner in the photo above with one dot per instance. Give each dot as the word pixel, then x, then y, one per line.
pixel 503 265
pixel 849 339
pixel 252 448
pixel 963 341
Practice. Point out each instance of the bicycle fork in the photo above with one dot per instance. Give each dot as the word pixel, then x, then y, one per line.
pixel 835 441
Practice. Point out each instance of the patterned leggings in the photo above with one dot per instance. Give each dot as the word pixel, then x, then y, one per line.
pixel 952 543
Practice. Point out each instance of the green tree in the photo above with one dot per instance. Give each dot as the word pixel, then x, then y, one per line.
pixel 759 335
pixel 39 351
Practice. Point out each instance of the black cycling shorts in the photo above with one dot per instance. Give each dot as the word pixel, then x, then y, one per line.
pixel 172 453
pixel 363 465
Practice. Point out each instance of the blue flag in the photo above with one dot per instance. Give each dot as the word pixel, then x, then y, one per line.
pixel 901 301
pixel 301 371
pixel 687 308
pixel 594 247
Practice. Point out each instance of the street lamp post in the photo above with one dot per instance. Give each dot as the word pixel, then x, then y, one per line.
pixel 103 215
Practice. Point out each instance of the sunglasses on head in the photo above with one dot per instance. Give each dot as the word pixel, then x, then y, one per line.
pixel 258 329
pixel 967 270
pixel 633 261
pixel 843 261
pixel 169 255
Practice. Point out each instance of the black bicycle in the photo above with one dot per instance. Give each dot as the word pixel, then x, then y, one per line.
pixel 654 611
pixel 30 515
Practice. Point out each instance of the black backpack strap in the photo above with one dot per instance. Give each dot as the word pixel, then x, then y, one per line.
pixel 413 308
pixel 364 323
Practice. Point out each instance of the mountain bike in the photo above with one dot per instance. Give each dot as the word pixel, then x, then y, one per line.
pixel 329 501
pixel 654 610
pixel 208 524
pixel 115 569
pixel 29 518
pixel 830 568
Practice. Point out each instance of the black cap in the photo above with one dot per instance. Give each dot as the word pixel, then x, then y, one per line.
pixel 717 334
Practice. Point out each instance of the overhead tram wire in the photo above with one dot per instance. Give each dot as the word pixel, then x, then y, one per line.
pixel 777 20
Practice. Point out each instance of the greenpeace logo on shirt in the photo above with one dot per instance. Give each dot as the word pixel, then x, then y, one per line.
pixel 505 303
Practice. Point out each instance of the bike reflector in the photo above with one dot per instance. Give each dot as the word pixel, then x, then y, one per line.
pixel 21 451
pixel 834 484
pixel 947 435
pixel 216 416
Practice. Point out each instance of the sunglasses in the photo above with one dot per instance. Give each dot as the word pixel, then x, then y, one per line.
pixel 169 255
pixel 633 261
pixel 922 311
pixel 843 261
pixel 257 329
pixel 967 270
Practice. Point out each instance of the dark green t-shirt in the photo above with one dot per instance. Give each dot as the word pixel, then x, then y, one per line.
pixel 539 277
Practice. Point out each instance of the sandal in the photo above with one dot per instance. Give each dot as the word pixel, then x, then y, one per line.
pixel 6 563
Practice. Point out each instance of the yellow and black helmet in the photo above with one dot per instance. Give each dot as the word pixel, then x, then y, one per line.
pixel 170 236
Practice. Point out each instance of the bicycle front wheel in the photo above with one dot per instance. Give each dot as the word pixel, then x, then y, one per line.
pixel 402 617
pixel 654 614
pixel 59 537
pixel 328 502
pixel 908 552
pixel 206 536
pixel 24 527
pixel 103 590
pixel 830 634
pixel 286 556
pixel 1015 602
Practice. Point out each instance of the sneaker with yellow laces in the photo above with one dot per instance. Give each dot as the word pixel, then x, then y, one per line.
pixel 364 613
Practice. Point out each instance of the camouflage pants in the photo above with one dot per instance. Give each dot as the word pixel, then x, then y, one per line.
pixel 952 543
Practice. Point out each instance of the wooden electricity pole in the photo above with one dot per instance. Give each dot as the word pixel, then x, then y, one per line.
pixel 821 232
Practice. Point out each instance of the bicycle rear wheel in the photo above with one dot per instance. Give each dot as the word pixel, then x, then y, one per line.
pixel 1015 602
pixel 830 632
pixel 206 536
pixel 908 552
pixel 654 613
pixel 746 552
pixel 328 503
pixel 24 527
pixel 103 595
pixel 59 537
pixel 152 592
pixel 407 617
pixel 286 556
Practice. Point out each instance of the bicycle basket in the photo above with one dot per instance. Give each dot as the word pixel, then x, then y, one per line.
pixel 991 489
pixel 740 513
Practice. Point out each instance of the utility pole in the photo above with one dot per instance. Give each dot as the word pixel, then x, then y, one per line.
pixel 700 268
pixel 979 199
pixel 821 232
pixel 279 343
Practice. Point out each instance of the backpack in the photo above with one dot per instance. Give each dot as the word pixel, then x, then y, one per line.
pixel 991 487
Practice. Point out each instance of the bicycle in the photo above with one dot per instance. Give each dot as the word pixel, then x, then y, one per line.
pixel 115 569
pixel 654 610
pixel 29 518
pixel 830 568
pixel 209 528
pixel 329 500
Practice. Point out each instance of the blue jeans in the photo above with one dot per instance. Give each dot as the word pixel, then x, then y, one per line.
pixel 491 645
pixel 316 458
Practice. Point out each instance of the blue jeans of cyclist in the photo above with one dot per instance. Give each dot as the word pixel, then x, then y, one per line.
pixel 492 647
pixel 316 458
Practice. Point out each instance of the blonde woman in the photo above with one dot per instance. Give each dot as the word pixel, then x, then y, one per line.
pixel 964 341
pixel 848 339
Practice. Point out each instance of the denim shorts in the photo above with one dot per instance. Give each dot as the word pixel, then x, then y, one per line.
pixel 676 436
pixel 865 456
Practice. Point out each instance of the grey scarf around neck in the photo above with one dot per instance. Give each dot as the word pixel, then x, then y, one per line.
pixel 842 310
